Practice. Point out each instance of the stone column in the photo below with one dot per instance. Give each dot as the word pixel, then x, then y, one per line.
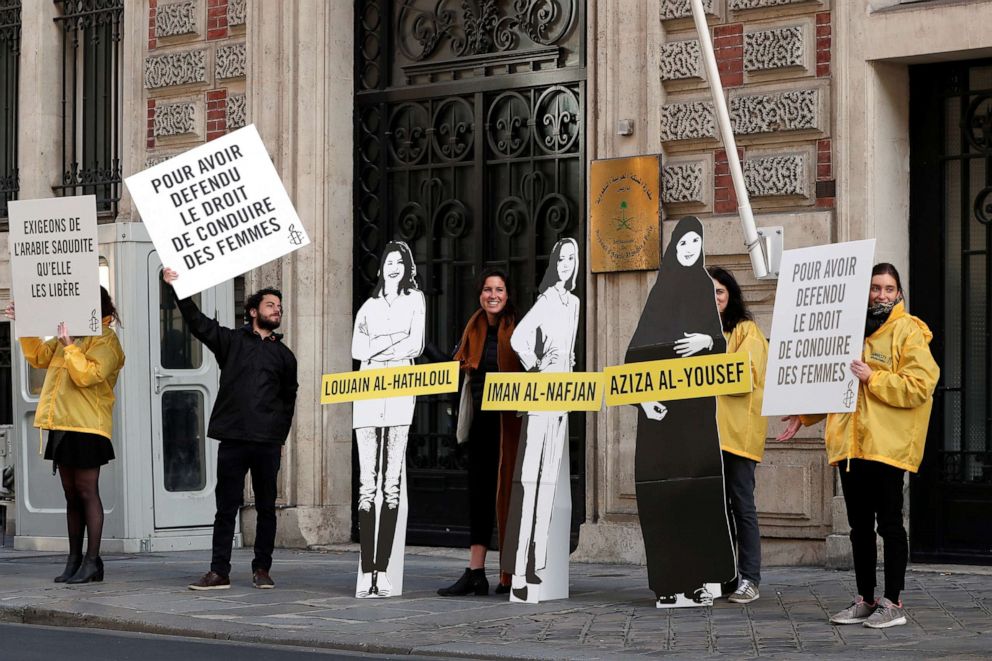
pixel 300 86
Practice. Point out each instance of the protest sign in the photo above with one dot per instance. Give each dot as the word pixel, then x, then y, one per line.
pixel 386 382
pixel 818 328
pixel 679 378
pixel 548 391
pixel 217 211
pixel 55 265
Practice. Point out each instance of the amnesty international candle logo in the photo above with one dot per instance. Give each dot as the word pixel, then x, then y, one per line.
pixel 625 212
pixel 295 236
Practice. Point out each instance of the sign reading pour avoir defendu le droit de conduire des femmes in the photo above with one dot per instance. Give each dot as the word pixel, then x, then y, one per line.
pixel 217 211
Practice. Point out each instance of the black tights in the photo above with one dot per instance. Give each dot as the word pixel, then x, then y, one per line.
pixel 83 508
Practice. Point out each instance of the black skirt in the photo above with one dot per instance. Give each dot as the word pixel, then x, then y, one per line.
pixel 74 449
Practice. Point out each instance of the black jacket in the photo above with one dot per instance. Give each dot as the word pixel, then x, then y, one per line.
pixel 257 380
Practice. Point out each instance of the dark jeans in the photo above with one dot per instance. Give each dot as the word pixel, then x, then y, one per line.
pixel 234 460
pixel 483 472
pixel 738 477
pixel 873 490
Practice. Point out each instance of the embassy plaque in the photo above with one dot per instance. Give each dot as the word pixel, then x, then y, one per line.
pixel 625 214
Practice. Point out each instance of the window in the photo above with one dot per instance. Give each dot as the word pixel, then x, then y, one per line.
pixel 10 50
pixel 91 101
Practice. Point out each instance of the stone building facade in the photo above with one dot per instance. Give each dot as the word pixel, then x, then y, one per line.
pixel 819 93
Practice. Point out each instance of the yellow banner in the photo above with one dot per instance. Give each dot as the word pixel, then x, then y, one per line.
pixel 389 382
pixel 678 378
pixel 533 391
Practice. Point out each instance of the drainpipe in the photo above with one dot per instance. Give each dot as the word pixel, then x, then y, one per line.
pixel 752 242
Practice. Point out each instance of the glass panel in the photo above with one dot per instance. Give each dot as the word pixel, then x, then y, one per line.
pixel 183 441
pixel 180 350
pixel 36 379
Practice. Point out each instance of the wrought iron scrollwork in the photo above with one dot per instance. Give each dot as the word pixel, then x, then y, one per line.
pixel 978 128
pixel 476 27
pixel 453 133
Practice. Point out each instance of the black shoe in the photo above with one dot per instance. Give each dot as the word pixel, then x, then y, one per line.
pixel 473 581
pixel 520 593
pixel 531 572
pixel 502 589
pixel 668 599
pixel 71 567
pixel 90 571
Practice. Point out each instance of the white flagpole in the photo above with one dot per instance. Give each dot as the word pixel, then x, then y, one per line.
pixel 751 239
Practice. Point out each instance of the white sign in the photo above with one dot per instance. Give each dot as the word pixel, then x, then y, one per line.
pixel 55 266
pixel 217 211
pixel 818 328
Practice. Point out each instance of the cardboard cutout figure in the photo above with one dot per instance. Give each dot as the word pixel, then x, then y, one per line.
pixel 678 470
pixel 389 332
pixel 545 342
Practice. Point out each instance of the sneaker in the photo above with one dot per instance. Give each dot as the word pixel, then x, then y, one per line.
pixel 886 615
pixel 856 613
pixel 745 593
pixel 211 581
pixel 260 579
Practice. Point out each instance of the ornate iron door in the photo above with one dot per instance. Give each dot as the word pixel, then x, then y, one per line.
pixel 469 146
pixel 951 213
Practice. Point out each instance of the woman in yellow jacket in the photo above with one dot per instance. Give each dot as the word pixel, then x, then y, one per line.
pixel 742 433
pixel 76 407
pixel 875 446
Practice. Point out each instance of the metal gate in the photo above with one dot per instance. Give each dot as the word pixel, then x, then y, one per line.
pixel 951 211
pixel 469 146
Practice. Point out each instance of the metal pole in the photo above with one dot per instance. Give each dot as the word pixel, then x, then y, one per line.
pixel 751 241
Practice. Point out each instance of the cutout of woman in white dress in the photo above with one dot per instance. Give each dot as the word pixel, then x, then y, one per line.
pixel 545 342
pixel 389 332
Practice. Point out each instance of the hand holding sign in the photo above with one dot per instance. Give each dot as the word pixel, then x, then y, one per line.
pixel 9 311
pixel 693 344
pixel 169 275
pixel 63 334
pixel 861 370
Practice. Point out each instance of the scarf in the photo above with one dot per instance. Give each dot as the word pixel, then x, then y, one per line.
pixel 878 314
pixel 473 343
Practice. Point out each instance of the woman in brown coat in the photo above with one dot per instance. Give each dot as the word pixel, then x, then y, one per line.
pixel 493 438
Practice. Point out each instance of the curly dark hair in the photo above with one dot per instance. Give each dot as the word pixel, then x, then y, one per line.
pixel 736 310
pixel 253 301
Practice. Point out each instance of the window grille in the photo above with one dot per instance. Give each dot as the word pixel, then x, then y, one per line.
pixel 91 101
pixel 10 49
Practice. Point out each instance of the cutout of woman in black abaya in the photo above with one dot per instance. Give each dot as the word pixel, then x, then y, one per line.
pixel 678 471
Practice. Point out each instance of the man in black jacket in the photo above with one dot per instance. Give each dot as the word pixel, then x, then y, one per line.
pixel 251 419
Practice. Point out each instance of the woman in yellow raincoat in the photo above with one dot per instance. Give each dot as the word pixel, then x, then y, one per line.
pixel 76 407
pixel 882 439
pixel 742 434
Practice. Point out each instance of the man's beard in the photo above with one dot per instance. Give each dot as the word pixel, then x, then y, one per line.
pixel 266 323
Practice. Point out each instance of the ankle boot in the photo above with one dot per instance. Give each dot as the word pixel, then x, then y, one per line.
pixel 71 566
pixel 90 570
pixel 531 572
pixel 473 581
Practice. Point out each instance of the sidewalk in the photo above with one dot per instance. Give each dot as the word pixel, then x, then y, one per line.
pixel 610 615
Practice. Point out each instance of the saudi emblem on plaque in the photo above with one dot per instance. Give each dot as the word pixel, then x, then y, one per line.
pixel 625 214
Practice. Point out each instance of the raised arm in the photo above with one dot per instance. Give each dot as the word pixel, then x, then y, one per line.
pixel 208 331
pixel 37 352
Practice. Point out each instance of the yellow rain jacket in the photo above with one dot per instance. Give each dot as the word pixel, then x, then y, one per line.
pixel 742 428
pixel 78 393
pixel 890 421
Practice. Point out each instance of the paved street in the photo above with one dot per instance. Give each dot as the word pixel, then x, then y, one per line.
pixel 610 614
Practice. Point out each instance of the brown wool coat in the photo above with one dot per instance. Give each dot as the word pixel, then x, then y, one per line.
pixel 469 354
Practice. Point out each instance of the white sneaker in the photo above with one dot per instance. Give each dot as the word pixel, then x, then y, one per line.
pixel 886 615
pixel 746 592
pixel 856 613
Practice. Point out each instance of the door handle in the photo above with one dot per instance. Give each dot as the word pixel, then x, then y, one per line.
pixel 159 377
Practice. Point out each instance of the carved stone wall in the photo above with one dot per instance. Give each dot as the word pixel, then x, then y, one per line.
pixel 672 9
pixel 175 18
pixel 739 5
pixel 174 119
pixel 179 68
pixel 778 48
pixel 777 176
pixel 237 111
pixel 682 183
pixel 680 60
pixel 793 110
pixel 231 61
pixel 237 12
pixel 687 121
